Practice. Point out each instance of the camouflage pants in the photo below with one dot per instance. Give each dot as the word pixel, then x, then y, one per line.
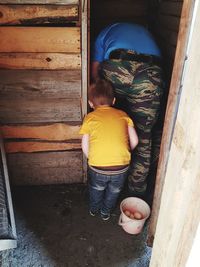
pixel 138 88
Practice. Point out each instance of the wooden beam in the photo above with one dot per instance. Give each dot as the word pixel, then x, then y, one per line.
pixel 30 84
pixel 37 14
pixel 37 61
pixel 40 39
pixel 45 168
pixel 51 132
pixel 33 146
pixel 41 110
pixel 54 2
pixel 170 116
pixel 179 214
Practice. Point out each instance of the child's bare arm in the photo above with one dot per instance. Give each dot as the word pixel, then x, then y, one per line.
pixel 85 144
pixel 133 138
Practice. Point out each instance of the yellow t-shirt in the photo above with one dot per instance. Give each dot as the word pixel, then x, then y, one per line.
pixel 108 136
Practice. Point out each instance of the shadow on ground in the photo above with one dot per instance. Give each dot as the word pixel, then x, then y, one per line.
pixel 55 230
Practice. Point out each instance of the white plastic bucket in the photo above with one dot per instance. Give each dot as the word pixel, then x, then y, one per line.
pixel 133 204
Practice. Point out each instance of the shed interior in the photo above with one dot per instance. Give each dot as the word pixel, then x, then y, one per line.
pixel 41 85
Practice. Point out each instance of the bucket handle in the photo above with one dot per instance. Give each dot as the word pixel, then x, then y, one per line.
pixel 120 221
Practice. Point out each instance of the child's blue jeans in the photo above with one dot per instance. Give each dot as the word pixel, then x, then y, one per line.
pixel 104 190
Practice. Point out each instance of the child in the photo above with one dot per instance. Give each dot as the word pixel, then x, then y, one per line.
pixel 108 137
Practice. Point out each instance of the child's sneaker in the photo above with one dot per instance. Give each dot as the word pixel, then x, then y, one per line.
pixel 105 217
pixel 93 213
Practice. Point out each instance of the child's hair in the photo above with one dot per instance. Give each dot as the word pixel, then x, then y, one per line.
pixel 101 93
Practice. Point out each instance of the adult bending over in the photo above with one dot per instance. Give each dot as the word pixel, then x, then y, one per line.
pixel 127 56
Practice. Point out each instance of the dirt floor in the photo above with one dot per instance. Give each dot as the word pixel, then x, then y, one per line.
pixel 54 229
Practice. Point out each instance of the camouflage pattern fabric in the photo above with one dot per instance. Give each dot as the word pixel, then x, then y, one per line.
pixel 138 87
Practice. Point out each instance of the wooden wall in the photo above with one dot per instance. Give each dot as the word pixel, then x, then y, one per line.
pixel 165 20
pixel 40 90
pixel 105 12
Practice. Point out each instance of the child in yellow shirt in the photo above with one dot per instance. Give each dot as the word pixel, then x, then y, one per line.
pixel 108 138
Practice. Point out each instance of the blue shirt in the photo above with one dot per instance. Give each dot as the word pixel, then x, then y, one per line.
pixel 125 36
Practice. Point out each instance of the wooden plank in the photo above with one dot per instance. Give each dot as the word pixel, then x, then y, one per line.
pixel 85 65
pixel 34 146
pixel 170 116
pixel 168 22
pixel 45 61
pixel 40 39
pixel 85 57
pixel 51 132
pixel 41 110
pixel 169 36
pixel 45 168
pixel 31 84
pixel 179 215
pixel 37 14
pixel 59 2
pixel 117 9
pixel 168 50
pixel 170 8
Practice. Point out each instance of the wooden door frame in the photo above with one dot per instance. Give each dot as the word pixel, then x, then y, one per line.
pixel 85 18
pixel 171 111
pixel 178 213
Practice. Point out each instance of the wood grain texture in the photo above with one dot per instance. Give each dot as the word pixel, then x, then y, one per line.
pixel 37 14
pixel 171 110
pixel 179 214
pixel 30 84
pixel 33 146
pixel 40 39
pixel 45 168
pixel 41 110
pixel 59 2
pixel 51 132
pixel 44 61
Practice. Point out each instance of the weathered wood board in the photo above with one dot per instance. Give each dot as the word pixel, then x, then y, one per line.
pixel 44 61
pixel 59 2
pixel 34 146
pixel 37 14
pixel 40 39
pixel 39 110
pixel 171 111
pixel 179 211
pixel 30 84
pixel 51 132
pixel 45 168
